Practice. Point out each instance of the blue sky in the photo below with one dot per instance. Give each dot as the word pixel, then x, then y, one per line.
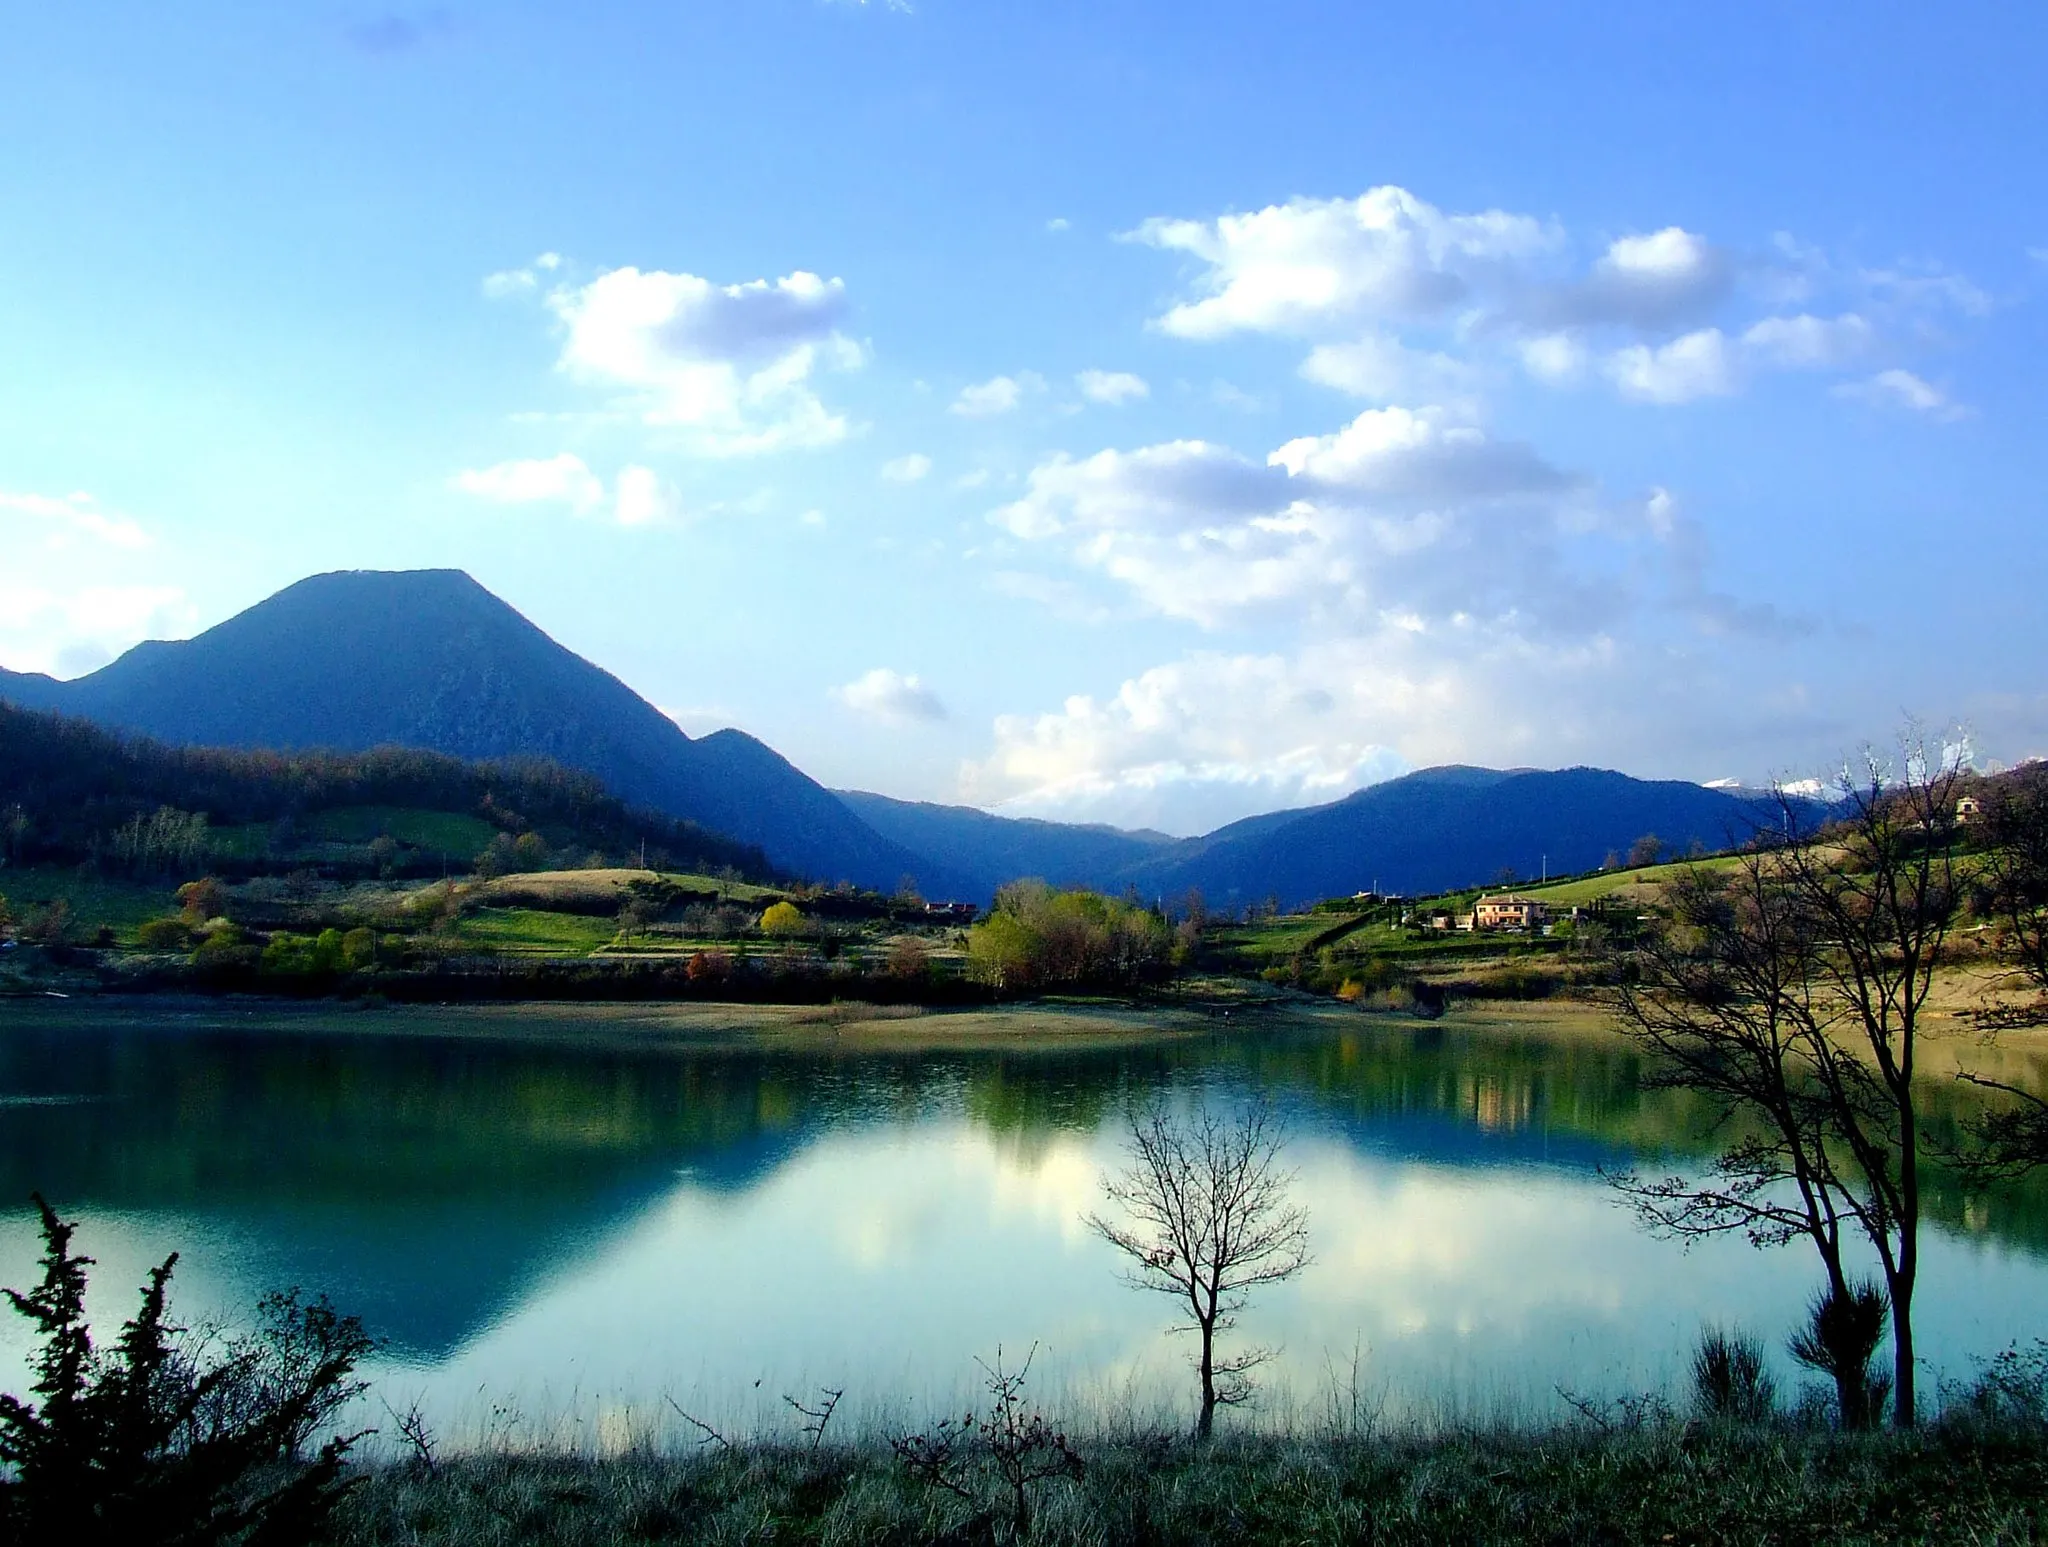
pixel 1121 411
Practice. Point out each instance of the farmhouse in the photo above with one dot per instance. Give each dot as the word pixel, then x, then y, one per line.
pixel 1503 911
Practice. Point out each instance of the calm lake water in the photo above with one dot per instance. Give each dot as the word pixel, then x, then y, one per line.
pixel 559 1222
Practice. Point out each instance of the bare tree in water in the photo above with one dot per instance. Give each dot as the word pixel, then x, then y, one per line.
pixel 1206 1218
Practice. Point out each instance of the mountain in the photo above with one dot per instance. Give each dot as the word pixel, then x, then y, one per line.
pixel 990 850
pixel 1444 828
pixel 430 659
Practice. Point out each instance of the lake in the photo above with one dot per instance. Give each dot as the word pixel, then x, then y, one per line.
pixel 568 1223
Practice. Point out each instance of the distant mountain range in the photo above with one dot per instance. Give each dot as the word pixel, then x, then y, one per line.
pixel 429 658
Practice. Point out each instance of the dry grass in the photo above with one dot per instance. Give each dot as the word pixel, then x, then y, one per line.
pixel 1673 1483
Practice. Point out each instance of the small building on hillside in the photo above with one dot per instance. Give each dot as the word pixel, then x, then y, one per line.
pixel 1969 811
pixel 1504 911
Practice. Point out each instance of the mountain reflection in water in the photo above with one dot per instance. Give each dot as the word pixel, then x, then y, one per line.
pixel 610 1217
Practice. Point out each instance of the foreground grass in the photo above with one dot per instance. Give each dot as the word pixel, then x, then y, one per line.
pixel 1668 1484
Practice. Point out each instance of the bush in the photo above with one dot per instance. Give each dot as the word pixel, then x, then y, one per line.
pixel 162 1439
pixel 783 920
pixel 1039 937
pixel 1729 1381
pixel 167 934
pixel 203 899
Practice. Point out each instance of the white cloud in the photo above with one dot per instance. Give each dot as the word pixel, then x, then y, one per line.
pixel 644 498
pixel 558 480
pixel 891 697
pixel 1419 458
pixel 1112 387
pixel 1312 265
pixel 1806 342
pixel 1186 746
pixel 641 497
pixel 69 632
pixel 1384 370
pixel 1902 389
pixel 1389 511
pixel 729 365
pixel 61 521
pixel 997 395
pixel 907 469
pixel 1554 357
pixel 1212 736
pixel 1403 302
pixel 1058 223
pixel 1700 364
pixel 1643 282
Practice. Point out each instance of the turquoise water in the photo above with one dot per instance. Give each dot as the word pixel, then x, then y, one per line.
pixel 563 1229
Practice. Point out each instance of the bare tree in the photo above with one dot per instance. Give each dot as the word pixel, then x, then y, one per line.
pixel 1791 993
pixel 1206 1219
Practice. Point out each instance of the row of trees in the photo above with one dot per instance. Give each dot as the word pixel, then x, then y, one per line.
pixel 1792 989
pixel 1039 937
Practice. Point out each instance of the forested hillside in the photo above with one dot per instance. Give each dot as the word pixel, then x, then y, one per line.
pixel 71 792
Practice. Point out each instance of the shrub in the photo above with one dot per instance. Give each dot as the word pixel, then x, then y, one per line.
pixel 359 949
pixel 1040 937
pixel 783 919
pixel 909 959
pixel 203 899
pixel 1841 1335
pixel 167 934
pixel 1729 1381
pixel 160 1439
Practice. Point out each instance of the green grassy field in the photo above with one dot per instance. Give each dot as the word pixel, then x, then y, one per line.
pixel 119 904
pixel 1649 881
pixel 530 932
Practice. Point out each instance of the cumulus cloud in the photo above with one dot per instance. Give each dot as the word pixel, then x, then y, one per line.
pixel 997 395
pixel 1214 736
pixel 1554 357
pixel 1384 370
pixel 1388 511
pixel 1700 364
pixel 1311 265
pixel 1708 363
pixel 1806 342
pixel 506 284
pixel 1184 747
pixel 67 632
pixel 644 498
pixel 1112 387
pixel 1902 389
pixel 640 497
pixel 558 480
pixel 907 469
pixel 891 698
pixel 1401 301
pixel 729 366
pixel 61 521
pixel 1642 282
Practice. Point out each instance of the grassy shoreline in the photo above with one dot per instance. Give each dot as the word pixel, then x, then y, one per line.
pixel 1664 1483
